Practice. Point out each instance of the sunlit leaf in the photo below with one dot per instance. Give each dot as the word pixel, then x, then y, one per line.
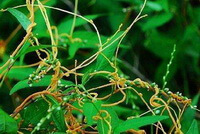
pixel 138 122
pixel 157 21
pixel 194 129
pixel 23 20
pixel 42 83
pixel 102 63
pixel 19 73
pixel 91 109
pixel 85 40
pixel 102 127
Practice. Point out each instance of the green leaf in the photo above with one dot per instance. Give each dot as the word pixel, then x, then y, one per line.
pixel 65 25
pixel 194 129
pixel 114 118
pixel 160 44
pixel 23 20
pixel 34 112
pixel 42 83
pixel 87 40
pixel 154 5
pixel 189 115
pixel 19 73
pixel 138 122
pixel 91 109
pixel 157 21
pixel 58 115
pixel 7 124
pixel 59 133
pixel 22 50
pixel 102 63
pixel 123 110
pixel 41 29
pixel 164 4
pixel 86 77
pixel 32 49
pixel 102 127
pixel 59 120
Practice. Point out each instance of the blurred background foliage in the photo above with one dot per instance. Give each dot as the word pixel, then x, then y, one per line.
pixel 145 52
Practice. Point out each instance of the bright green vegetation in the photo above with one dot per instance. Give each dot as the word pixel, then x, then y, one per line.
pixel 99 66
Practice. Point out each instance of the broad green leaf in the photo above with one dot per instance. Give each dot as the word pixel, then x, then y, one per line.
pixel 58 115
pixel 87 40
pixel 189 115
pixel 138 122
pixel 194 129
pixel 164 4
pixel 34 112
pixel 22 50
pixel 19 73
pixel 114 118
pixel 115 20
pixel 154 5
pixel 40 30
pixel 102 63
pixel 3 3
pixel 102 127
pixel 7 124
pixel 157 21
pixel 65 25
pixel 42 83
pixel 160 44
pixel 59 119
pixel 91 109
pixel 123 110
pixel 23 20
pixel 33 48
pixel 190 35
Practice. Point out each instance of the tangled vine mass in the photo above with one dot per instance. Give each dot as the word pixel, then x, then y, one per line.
pixel 84 108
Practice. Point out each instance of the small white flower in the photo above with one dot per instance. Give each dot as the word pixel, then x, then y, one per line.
pixel 58 108
pixel 124 10
pixel 30 85
pixel 49 110
pixel 39 124
pixel 166 89
pixel 42 120
pixel 65 98
pixel 157 111
pixel 48 116
pixel 169 92
pixel 37 77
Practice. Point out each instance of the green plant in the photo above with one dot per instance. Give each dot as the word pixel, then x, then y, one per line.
pixel 84 94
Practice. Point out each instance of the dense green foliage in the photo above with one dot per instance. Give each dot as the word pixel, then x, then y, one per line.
pixel 161 48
